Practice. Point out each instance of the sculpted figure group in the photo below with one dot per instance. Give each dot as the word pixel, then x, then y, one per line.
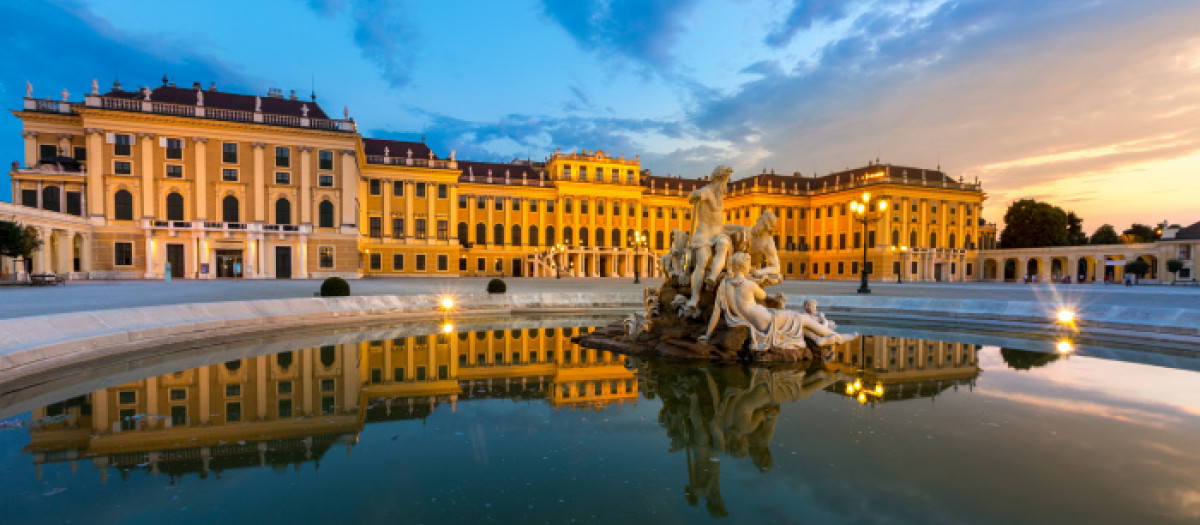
pixel 735 263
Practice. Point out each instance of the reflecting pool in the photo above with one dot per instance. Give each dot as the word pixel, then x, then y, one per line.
pixel 511 422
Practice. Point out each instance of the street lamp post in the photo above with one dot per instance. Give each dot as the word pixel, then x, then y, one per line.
pixel 638 241
pixel 862 216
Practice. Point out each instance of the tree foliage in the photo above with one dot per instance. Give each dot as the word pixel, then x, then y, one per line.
pixel 1137 267
pixel 1032 224
pixel 1105 234
pixel 1139 232
pixel 1075 234
pixel 1173 266
pixel 1026 359
pixel 18 241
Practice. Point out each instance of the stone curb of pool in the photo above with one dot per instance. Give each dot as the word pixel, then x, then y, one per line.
pixel 46 339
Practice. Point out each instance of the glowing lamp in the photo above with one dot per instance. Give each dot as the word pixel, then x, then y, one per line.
pixel 447 303
pixel 866 196
pixel 882 205
pixel 447 328
pixel 849 390
pixel 1066 316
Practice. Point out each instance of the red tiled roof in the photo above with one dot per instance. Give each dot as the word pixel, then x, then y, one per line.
pixel 223 100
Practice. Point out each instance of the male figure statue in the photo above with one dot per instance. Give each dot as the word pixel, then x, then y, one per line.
pixel 709 245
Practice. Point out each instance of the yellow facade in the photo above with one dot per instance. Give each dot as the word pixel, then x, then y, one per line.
pixel 243 186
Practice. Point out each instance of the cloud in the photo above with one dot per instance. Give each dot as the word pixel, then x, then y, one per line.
pixel 643 30
pixel 381 32
pixel 32 31
pixel 804 14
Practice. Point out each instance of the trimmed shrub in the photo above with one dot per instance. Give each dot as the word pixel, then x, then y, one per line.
pixel 335 287
pixel 497 286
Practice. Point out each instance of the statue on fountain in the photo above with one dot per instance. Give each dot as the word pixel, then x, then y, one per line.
pixel 711 303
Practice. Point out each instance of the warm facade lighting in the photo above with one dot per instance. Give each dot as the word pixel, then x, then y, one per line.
pixel 1065 347
pixel 1066 316
pixel 447 303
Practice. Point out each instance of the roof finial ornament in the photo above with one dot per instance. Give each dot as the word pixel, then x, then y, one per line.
pixel 410 153
pixel 257 104
pixel 165 79
pixel 430 153
pixel 304 110
pixel 28 89
pixel 199 98
pixel 346 112
pixel 66 95
pixel 387 152
pixel 95 87
pixel 146 92
pixel 451 155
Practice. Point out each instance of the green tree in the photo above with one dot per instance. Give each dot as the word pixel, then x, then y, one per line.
pixel 1137 267
pixel 1173 266
pixel 1032 224
pixel 1075 234
pixel 1105 234
pixel 1026 359
pixel 1139 232
pixel 18 241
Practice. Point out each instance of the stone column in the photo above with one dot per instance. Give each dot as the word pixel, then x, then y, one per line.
pixel 507 222
pixel 149 262
pixel 349 188
pixel 64 145
pixel 260 177
pixel 100 423
pixel 471 220
pixel 453 225
pixel 430 214
pixel 40 186
pixel 306 177
pixel 95 172
pixel 351 382
pixel 409 188
pixel 146 167
pixel 385 190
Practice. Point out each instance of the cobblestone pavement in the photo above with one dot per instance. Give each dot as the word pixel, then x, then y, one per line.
pixel 19 301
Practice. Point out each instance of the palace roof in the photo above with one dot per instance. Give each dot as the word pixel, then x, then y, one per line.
pixel 477 172
pixel 397 148
pixel 275 105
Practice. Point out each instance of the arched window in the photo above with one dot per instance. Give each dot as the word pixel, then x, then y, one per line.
pixel 583 237
pixel 325 214
pixel 284 359
pixel 952 239
pixel 600 240
pixel 174 207
pixel 516 235
pixel 912 239
pixel 229 209
pixel 233 366
pixel 933 239
pixel 616 237
pixel 462 233
pixel 283 211
pixel 123 206
pixel 550 236
pixel 50 198
pixel 498 233
pixel 658 240
pixel 481 233
pixel 533 236
pixel 328 356
pixel 568 236
pixel 895 237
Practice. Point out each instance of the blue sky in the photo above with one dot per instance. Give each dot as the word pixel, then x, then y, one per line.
pixel 1092 105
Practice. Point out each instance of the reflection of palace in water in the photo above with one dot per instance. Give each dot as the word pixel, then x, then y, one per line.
pixel 294 406
pixel 713 410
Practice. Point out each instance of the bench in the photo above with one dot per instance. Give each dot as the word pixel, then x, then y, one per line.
pixel 39 279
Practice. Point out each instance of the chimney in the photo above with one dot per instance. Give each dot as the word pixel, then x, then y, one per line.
pixel 212 87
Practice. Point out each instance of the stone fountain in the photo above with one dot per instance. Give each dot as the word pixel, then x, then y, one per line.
pixel 712 304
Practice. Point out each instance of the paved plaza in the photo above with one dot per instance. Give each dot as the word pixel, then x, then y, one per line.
pixel 19 301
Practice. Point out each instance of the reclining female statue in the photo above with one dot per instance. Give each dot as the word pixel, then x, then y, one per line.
pixel 740 300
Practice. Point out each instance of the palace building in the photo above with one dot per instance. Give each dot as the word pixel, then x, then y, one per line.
pixel 224 185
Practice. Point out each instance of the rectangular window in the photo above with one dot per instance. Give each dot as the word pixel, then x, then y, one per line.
pixel 826 268
pixel 74 203
pixel 550 206
pixel 324 160
pixel 233 412
pixel 462 264
pixel 443 262
pixel 480 203
pixel 533 205
pixel 284 387
pixel 616 209
pixel 285 408
pixel 397 227
pixel 583 206
pixel 420 189
pixel 283 178
pixel 420 262
pixel 174 171
pixel 122 167
pixel 443 230
pixel 375 186
pixel 398 261
pixel 398 188
pixel 328 385
pixel 462 202
pixel 233 390
pixel 816 243
pixel 516 204
pixel 46 151
pixel 127 397
pixel 376 261
pixel 376 225
pixel 443 191
pixel 857 239
pixel 419 224
pixel 817 213
pixel 80 153
pixel 229 175
pixel 398 374
pixel 914 267
pixel 178 394
pixel 325 181
pixel 174 149
pixel 121 145
pixel 123 254
pixel 853 268
pixel 498 203
pixel 283 157
pixel 229 152
pixel 629 176
pixel 328 405
pixel 325 257
pixel 480 265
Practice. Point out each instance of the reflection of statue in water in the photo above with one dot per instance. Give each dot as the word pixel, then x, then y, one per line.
pixel 709 245
pixel 721 409
pixel 739 301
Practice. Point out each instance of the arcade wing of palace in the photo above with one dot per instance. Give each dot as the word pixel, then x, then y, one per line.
pixel 211 184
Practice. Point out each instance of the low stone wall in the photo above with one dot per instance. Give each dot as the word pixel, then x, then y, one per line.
pixel 30 345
